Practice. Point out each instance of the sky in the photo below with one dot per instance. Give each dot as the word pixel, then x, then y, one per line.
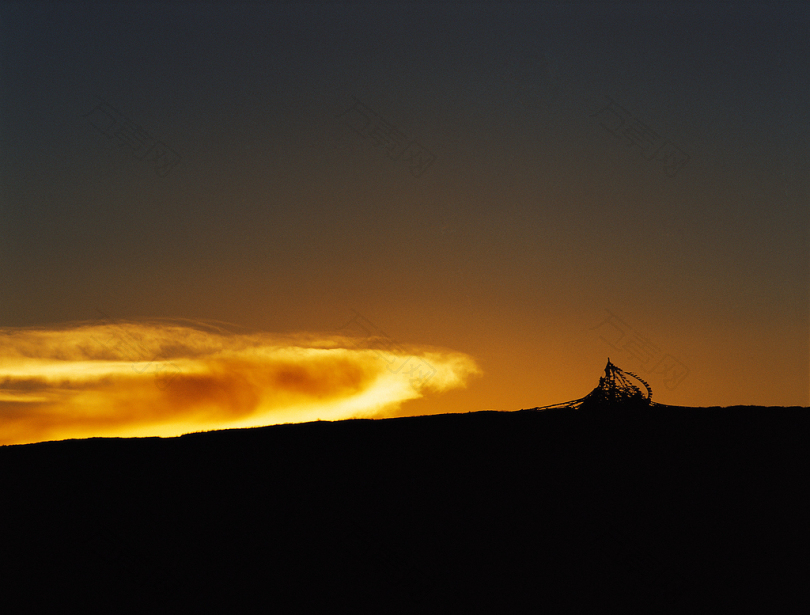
pixel 231 214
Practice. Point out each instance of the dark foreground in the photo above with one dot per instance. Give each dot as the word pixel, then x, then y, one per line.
pixel 673 510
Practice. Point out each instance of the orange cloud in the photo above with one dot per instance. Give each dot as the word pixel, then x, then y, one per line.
pixel 165 379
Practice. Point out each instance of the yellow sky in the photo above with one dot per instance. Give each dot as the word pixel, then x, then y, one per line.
pixel 166 379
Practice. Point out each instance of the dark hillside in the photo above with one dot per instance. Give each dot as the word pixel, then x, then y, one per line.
pixel 668 510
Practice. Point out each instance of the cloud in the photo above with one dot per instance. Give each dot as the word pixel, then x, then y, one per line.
pixel 167 378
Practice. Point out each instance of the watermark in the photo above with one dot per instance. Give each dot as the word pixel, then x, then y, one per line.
pixel 624 339
pixel 131 564
pixel 628 565
pixel 396 358
pixel 111 122
pixel 531 78
pixel 366 123
pixel 124 344
pixel 399 573
pixel 618 121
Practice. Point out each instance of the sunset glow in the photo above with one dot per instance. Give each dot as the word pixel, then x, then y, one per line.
pixel 517 190
pixel 165 379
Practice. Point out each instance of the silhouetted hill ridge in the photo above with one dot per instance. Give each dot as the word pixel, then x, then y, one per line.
pixel 663 509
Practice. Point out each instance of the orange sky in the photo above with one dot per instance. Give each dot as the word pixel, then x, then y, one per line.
pixel 533 186
pixel 166 379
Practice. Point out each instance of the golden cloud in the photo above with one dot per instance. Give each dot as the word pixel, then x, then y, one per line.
pixel 165 378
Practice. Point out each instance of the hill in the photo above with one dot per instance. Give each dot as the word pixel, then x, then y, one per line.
pixel 663 510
